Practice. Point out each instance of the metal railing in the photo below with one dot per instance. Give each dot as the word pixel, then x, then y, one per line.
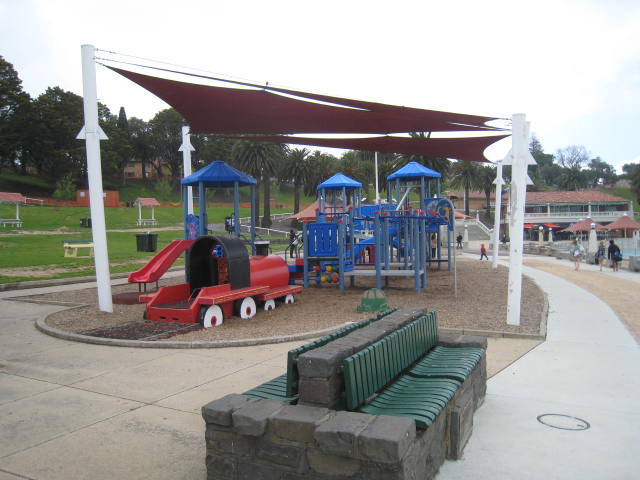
pixel 274 216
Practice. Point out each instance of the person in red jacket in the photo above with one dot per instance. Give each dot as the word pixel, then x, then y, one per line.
pixel 483 252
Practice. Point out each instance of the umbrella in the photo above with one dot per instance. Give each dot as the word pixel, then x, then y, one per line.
pixel 584 226
pixel 624 223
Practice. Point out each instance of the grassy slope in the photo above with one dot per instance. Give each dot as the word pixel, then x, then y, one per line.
pixel 45 251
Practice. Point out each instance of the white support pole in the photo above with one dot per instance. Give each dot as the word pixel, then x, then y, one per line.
pixel 496 222
pixel 92 134
pixel 186 148
pixel 519 159
pixel 376 171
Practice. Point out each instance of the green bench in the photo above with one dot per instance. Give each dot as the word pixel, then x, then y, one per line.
pixel 285 386
pixel 407 374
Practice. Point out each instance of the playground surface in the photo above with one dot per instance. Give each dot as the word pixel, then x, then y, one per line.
pixel 479 306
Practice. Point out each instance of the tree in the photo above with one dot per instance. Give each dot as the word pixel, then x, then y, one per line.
pixel 14 108
pixel 465 176
pixel 600 172
pixel 632 173
pixel 485 178
pixel 165 134
pixel 321 167
pixel 59 116
pixel 297 168
pixel 140 139
pixel 259 160
pixel 543 162
pixel 574 156
pixel 441 165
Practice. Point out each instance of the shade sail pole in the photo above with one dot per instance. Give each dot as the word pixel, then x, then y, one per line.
pixel 92 134
pixel 519 159
pixel 496 222
pixel 377 187
pixel 186 148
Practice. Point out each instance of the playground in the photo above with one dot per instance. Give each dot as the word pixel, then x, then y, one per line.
pixel 312 311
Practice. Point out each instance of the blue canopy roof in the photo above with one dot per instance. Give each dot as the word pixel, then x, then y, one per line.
pixel 339 181
pixel 218 175
pixel 413 171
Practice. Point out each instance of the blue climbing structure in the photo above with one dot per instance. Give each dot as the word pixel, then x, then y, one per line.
pixel 391 239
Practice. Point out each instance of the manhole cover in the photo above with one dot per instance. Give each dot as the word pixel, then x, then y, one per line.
pixel 563 422
pixel 142 330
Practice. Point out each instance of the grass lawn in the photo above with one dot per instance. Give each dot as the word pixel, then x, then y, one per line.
pixel 43 253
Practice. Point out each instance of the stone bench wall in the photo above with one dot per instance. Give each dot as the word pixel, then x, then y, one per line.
pixel 320 378
pixel 257 439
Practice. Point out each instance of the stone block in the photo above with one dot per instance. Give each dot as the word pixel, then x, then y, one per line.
pixel 339 433
pixel 432 443
pixel 220 467
pixel 460 424
pixel 219 411
pixel 448 339
pixel 323 361
pixel 333 465
pixel 252 418
pixel 285 455
pixel 296 422
pixel 321 392
pixel 259 471
pixel 226 442
pixel 473 341
pixel 386 439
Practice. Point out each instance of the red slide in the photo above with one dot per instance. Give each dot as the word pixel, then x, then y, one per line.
pixel 160 263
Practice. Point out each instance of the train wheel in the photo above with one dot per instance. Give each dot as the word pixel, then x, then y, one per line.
pixel 289 299
pixel 247 308
pixel 212 317
pixel 269 305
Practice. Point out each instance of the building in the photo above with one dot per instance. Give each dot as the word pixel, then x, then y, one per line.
pixel 558 207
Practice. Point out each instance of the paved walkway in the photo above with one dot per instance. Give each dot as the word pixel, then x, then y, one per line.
pixel 71 410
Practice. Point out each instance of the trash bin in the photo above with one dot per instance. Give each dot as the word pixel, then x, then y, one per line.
pixel 147 242
pixel 262 247
pixel 85 222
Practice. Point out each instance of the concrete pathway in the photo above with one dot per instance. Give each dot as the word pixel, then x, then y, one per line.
pixel 71 410
pixel 588 368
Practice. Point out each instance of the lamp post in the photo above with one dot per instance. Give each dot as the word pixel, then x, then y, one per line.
pixel 540 236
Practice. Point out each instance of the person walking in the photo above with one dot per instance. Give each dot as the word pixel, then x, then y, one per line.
pixel 292 242
pixel 601 254
pixel 576 250
pixel 614 255
pixel 483 252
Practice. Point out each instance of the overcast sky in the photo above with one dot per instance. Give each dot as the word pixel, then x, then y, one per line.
pixel 572 66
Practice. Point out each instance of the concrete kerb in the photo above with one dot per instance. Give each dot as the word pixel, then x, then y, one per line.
pixel 42 326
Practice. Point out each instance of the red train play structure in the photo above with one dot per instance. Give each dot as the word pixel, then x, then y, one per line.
pixel 222 280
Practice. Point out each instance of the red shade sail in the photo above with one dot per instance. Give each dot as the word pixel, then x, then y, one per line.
pixel 210 109
pixel 467 148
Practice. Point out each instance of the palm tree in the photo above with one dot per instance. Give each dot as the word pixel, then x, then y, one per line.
pixel 486 177
pixel 259 160
pixel 441 165
pixel 465 176
pixel 297 168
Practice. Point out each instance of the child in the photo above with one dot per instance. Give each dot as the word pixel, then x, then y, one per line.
pixel 483 252
pixel 601 254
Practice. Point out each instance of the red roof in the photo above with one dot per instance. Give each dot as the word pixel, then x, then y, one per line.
pixel 12 197
pixel 578 196
pixel 147 202
pixel 306 214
